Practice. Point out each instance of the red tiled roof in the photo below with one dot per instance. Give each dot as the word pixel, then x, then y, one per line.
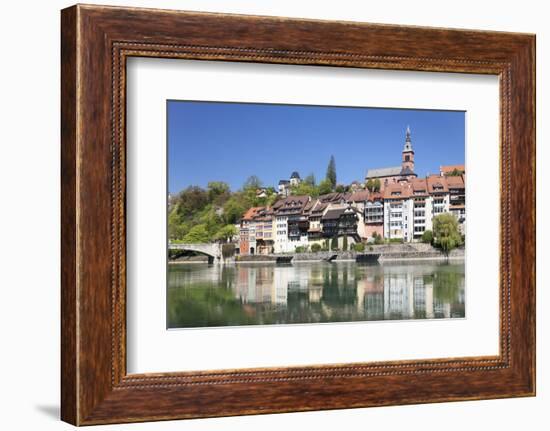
pixel 455 181
pixel 374 196
pixel 334 197
pixel 359 196
pixel 397 191
pixel 319 208
pixel 437 184
pixel 291 203
pixel 310 205
pixel 333 214
pixel 252 212
pixel 450 168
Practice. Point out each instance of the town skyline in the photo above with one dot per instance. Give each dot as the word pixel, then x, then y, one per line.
pixel 372 136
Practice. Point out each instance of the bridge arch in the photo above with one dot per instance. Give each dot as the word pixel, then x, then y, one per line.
pixel 212 251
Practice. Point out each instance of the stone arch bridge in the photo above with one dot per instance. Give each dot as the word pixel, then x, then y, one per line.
pixel 212 251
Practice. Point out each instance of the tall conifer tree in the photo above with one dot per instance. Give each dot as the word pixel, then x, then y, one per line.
pixel 331 171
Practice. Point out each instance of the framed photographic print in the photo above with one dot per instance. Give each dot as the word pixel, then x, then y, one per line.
pixel 268 215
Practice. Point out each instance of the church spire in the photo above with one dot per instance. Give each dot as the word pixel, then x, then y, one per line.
pixel 407 157
pixel 408 145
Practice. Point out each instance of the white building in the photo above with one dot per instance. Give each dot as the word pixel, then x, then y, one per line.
pixel 411 205
pixel 398 212
pixel 290 224
pixel 295 178
pixel 283 188
pixel 280 234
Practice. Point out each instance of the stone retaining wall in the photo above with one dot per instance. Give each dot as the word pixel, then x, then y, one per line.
pixel 428 254
pixel 387 252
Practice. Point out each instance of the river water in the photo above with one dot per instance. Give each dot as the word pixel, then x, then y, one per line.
pixel 201 295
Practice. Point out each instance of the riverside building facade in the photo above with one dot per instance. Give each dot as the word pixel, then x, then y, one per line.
pixel 397 206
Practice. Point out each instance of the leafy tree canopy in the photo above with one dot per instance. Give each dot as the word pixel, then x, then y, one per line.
pixel 216 189
pixel 190 200
pixel 325 187
pixel 446 232
pixel 427 236
pixel 226 232
pixel 252 182
pixel 310 179
pixel 197 234
pixel 304 189
pixel 373 185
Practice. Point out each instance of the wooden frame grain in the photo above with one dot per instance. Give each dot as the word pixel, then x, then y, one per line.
pixel 95 43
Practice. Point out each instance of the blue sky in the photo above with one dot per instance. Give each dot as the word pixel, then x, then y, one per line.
pixel 213 141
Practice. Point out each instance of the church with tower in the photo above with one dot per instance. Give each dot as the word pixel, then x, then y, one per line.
pixel 396 174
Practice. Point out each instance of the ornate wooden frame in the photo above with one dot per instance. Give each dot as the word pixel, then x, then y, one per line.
pixel 95 43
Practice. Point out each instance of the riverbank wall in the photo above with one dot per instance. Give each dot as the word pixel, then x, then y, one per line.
pixel 387 252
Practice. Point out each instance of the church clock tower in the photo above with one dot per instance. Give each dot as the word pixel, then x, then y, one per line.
pixel 407 161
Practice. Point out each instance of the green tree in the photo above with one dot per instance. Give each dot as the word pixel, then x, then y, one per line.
pixel 226 232
pixel 369 185
pixel 210 219
pixel 345 243
pixel 331 172
pixel 252 182
pixel 197 234
pixel 455 173
pixel 304 189
pixel 377 238
pixel 427 237
pixel 340 188
pixel 373 185
pixel 315 247
pixel 325 187
pixel 310 179
pixel 191 200
pixel 446 232
pixel 359 247
pixel 334 244
pixel 176 226
pixel 216 189
pixel 233 210
pixel 272 197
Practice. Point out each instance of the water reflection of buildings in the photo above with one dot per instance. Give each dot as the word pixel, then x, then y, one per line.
pixel 387 291
pixel 407 295
pixel 266 284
